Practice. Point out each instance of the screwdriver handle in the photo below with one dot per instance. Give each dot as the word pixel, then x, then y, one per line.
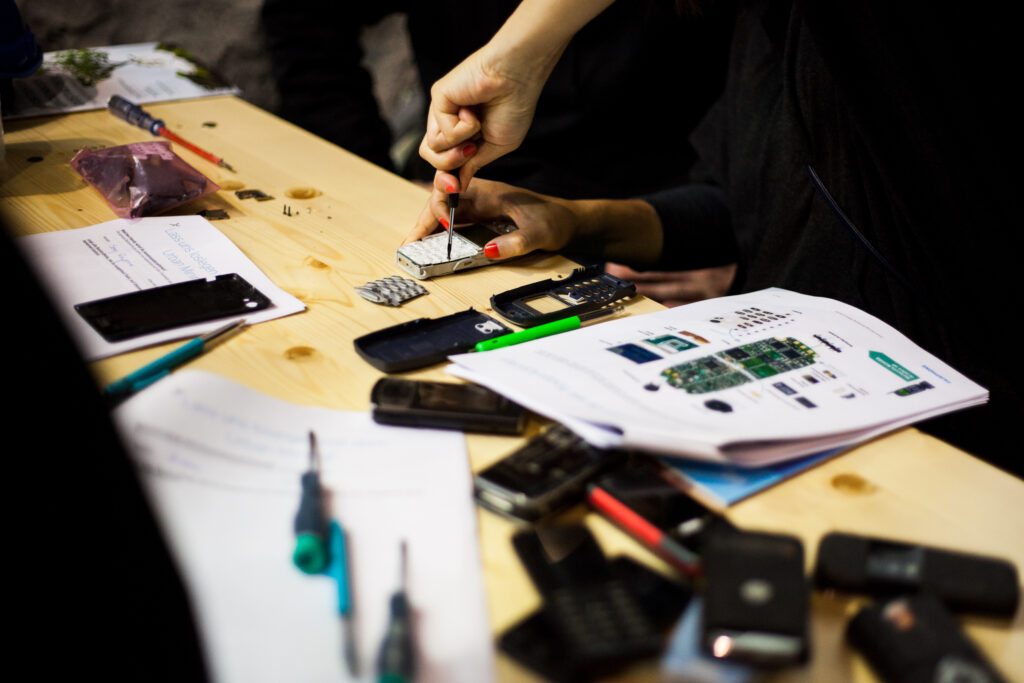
pixel 134 114
pixel 396 659
pixel 310 545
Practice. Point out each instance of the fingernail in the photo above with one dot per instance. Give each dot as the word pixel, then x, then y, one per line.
pixel 444 222
pixel 491 250
pixel 450 189
pixel 468 150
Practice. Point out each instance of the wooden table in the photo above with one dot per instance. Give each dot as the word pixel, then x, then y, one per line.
pixel 347 218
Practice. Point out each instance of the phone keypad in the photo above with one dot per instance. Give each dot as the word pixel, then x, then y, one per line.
pixel 434 249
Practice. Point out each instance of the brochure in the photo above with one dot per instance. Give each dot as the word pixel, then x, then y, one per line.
pixel 748 380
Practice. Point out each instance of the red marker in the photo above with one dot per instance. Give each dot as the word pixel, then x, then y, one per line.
pixel 639 528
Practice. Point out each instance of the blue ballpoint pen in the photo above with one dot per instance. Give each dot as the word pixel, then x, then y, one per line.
pixel 117 391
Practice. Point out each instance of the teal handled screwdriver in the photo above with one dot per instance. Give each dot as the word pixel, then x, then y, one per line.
pixel 311 528
pixel 396 661
pixel 547 329
pixel 117 391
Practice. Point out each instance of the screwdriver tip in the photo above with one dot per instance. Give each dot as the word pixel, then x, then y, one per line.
pixel 224 164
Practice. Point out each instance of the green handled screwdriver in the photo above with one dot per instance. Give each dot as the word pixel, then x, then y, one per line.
pixel 396 661
pixel 311 527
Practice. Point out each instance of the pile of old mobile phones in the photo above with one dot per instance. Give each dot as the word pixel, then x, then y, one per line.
pixel 916 638
pixel 445 405
pixel 597 615
pixel 885 568
pixel 545 476
pixel 756 598
pixel 126 316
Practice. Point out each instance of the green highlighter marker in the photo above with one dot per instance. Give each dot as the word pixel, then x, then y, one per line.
pixel 547 329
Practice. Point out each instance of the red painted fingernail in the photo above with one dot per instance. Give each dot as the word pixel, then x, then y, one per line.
pixel 491 251
pixel 468 150
pixel 444 222
pixel 450 189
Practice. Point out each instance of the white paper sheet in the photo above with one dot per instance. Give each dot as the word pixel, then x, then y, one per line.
pixel 749 379
pixel 143 73
pixel 124 255
pixel 222 464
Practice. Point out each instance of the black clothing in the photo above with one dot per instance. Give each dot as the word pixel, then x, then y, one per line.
pixel 614 73
pixel 92 588
pixel 903 113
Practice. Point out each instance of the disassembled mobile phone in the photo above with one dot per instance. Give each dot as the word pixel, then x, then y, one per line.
pixel 916 638
pixel 597 621
pixel 638 484
pixel 445 405
pixel 964 582
pixel 535 643
pixel 134 314
pixel 545 476
pixel 428 257
pixel 755 598
pixel 426 341
pixel 587 289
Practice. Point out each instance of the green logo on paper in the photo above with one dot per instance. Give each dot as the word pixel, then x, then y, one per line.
pixel 891 365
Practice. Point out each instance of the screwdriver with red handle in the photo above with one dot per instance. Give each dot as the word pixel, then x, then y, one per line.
pixel 137 116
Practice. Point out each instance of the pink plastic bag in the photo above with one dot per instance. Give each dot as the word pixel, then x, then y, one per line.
pixel 141 179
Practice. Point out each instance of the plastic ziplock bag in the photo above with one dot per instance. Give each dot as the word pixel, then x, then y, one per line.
pixel 141 179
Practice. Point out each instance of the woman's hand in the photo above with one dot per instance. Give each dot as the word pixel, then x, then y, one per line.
pixel 678 287
pixel 482 109
pixel 544 222
pixel 478 113
pixel 625 230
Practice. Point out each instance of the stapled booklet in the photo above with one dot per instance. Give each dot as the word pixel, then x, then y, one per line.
pixel 747 380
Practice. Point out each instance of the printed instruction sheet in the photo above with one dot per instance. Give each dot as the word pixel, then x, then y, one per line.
pixel 749 379
pixel 123 256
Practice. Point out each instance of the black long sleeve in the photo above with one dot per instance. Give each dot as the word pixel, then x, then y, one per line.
pixel 316 62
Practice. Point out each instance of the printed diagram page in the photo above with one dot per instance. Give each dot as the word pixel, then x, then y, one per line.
pixel 123 256
pixel 749 379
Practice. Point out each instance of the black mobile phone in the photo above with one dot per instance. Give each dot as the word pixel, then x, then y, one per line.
pixel 965 582
pixel 637 482
pixel 535 643
pixel 755 598
pixel 134 314
pixel 589 609
pixel 912 639
pixel 445 405
pixel 545 476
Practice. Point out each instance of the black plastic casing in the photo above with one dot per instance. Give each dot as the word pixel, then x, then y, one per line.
pixel 445 405
pixel 426 341
pixel 915 639
pixel 965 582
pixel 756 598
pixel 126 316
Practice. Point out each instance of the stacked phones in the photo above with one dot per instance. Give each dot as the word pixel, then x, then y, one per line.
pixel 599 615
